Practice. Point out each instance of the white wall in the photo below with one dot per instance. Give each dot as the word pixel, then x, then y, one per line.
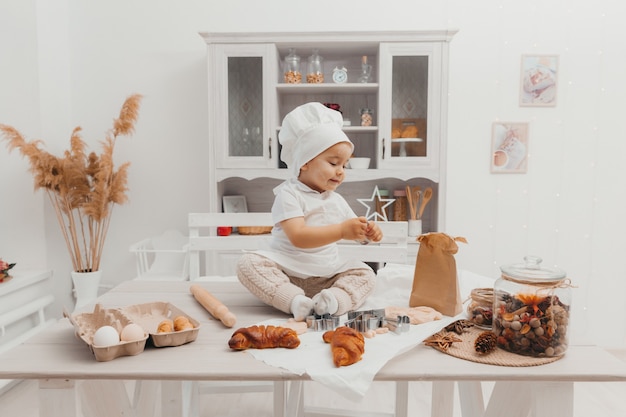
pixel 74 63
pixel 22 234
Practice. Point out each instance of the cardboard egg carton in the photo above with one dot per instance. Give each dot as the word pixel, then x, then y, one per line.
pixel 147 315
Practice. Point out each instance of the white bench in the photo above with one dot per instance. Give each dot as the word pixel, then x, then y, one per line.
pixel 23 301
pixel 203 238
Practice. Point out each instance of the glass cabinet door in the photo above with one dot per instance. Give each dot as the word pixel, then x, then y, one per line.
pixel 245 106
pixel 242 109
pixel 409 105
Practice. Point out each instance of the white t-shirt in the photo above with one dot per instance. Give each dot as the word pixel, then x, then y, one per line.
pixel 295 199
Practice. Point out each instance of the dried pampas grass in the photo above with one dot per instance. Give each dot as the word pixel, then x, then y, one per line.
pixel 82 187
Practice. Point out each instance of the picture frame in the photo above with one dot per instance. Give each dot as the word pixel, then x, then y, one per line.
pixel 538 81
pixel 509 147
pixel 234 204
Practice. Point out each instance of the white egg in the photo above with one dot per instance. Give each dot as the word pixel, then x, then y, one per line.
pixel 106 336
pixel 132 332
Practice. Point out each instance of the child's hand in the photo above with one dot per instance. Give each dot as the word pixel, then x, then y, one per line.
pixel 373 232
pixel 354 229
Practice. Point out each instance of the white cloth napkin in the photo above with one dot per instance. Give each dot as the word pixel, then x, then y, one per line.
pixel 314 357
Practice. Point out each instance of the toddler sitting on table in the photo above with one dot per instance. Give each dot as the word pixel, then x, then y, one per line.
pixel 302 271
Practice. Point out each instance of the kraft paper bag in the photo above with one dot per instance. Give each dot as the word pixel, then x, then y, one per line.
pixel 435 280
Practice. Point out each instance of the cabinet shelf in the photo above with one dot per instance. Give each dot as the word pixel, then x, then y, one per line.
pixel 352 175
pixel 356 129
pixel 360 129
pixel 328 88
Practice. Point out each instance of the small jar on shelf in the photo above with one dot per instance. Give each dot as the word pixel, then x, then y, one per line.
pixel 292 68
pixel 366 70
pixel 315 73
pixel 399 206
pixel 366 117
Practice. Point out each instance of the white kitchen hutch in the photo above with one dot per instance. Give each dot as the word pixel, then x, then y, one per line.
pixel 406 92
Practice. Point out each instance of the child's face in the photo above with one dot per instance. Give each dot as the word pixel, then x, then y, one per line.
pixel 325 172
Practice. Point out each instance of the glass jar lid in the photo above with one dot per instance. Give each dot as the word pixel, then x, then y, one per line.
pixel 531 271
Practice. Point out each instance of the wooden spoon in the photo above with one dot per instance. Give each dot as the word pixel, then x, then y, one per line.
pixel 428 194
pixel 413 197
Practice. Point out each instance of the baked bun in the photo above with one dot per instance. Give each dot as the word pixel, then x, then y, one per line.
pixel 182 323
pixel 347 345
pixel 166 326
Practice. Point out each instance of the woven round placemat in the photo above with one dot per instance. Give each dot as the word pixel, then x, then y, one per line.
pixel 465 350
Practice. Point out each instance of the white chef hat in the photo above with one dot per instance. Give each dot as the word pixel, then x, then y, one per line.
pixel 307 131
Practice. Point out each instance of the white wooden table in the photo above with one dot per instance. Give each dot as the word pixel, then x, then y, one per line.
pixel 57 358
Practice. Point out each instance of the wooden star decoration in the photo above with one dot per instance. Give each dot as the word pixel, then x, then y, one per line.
pixel 367 202
pixel 441 340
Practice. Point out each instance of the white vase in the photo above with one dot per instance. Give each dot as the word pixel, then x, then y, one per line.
pixel 86 286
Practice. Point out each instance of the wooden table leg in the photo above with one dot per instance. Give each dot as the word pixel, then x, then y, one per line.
pixel 280 398
pixel 179 398
pixel 402 399
pixel 519 399
pixel 57 398
pixel 471 398
pixel 103 398
pixel 511 399
pixel 554 399
pixel 295 402
pixel 145 398
pixel 442 399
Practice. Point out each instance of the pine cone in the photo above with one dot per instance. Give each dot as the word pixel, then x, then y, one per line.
pixel 485 342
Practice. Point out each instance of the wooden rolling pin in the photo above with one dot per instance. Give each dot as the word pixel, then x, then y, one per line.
pixel 213 305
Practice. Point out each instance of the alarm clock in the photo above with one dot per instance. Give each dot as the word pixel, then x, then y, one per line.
pixel 340 75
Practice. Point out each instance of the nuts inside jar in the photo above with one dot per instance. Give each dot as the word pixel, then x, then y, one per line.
pixel 293 77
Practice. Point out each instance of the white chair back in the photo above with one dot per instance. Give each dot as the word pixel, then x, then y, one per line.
pixel 162 257
pixel 203 235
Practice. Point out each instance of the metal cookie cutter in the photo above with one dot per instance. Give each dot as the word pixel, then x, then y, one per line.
pixel 322 323
pixel 401 324
pixel 365 320
pixel 379 312
pixel 373 319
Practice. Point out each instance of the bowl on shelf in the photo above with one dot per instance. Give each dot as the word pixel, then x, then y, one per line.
pixel 359 163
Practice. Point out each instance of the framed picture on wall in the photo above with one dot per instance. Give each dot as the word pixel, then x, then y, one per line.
pixel 538 84
pixel 509 147
pixel 234 204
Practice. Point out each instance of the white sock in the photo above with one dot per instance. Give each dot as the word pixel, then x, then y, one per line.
pixel 325 303
pixel 301 307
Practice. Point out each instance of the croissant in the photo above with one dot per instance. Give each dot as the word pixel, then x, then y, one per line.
pixel 264 337
pixel 347 345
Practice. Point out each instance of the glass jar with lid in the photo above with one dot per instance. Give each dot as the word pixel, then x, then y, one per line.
pixel 531 309
pixel 292 68
pixel 315 73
